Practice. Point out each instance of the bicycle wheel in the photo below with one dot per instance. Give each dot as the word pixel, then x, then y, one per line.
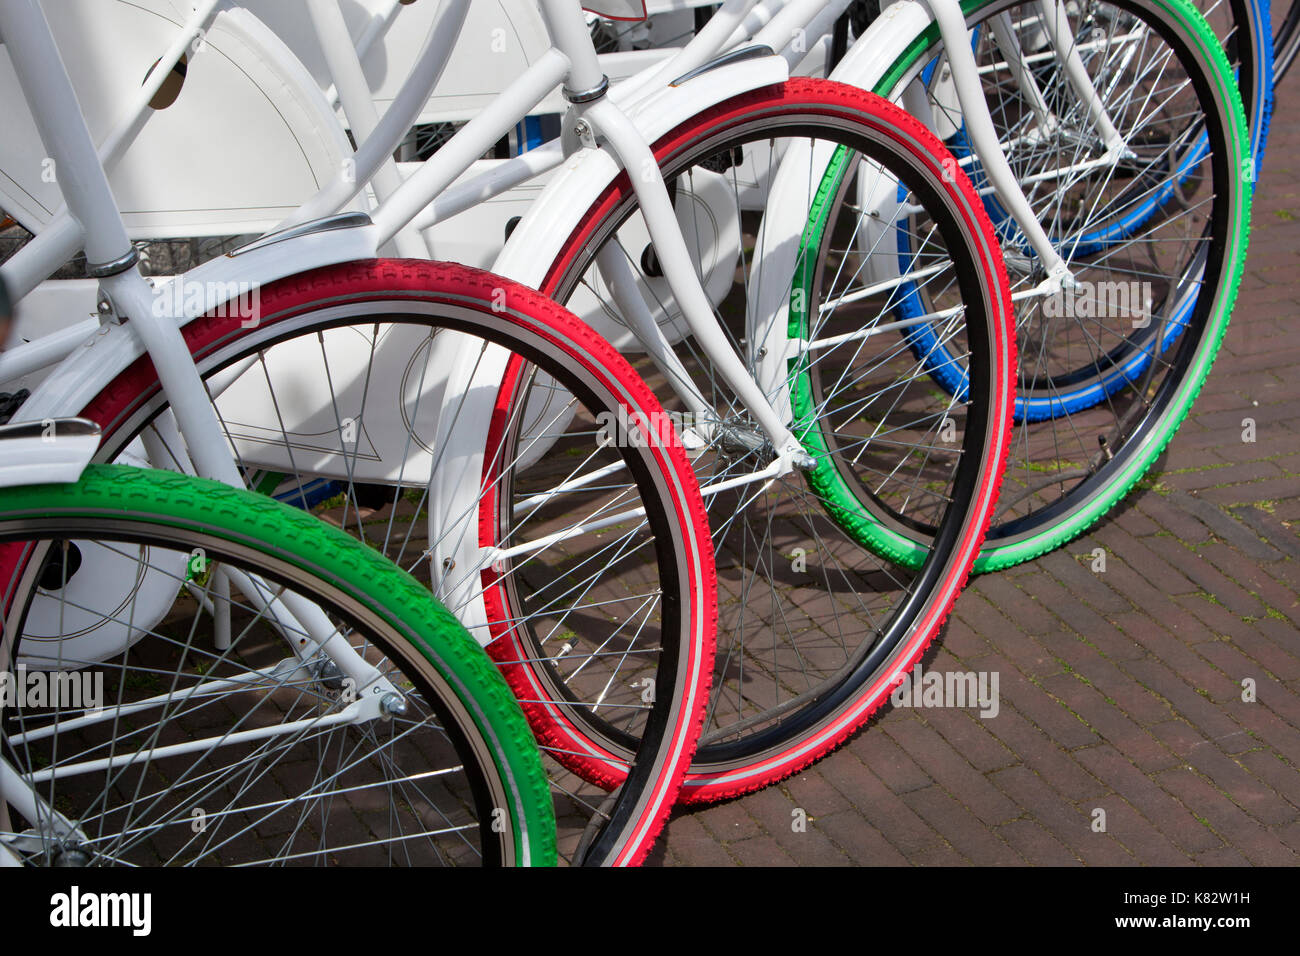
pixel 1078 388
pixel 813 628
pixel 1157 242
pixel 602 618
pixel 394 742
pixel 1286 37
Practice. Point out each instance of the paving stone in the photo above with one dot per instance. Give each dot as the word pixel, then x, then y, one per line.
pixel 1109 722
pixel 730 821
pixel 1150 799
pixel 1246 790
pixel 1060 768
pixel 1237 828
pixel 951 771
pixel 876 805
pixel 1072 565
pixel 978 844
pixel 1184 699
pixel 1032 842
pixel 1066 821
pixel 861 844
pixel 760 851
pixel 1227 528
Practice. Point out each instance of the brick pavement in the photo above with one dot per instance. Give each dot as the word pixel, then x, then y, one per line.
pixel 1120 691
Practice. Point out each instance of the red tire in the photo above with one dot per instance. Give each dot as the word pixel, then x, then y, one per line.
pixel 863 119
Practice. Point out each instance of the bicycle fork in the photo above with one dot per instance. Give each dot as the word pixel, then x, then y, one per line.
pixel 979 122
pixel 582 124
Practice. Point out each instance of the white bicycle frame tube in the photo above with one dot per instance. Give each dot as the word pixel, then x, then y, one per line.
pixel 716 35
pixel 375 30
pixel 1004 33
pixel 469 143
pixel 983 135
pixel 15 790
pixel 795 21
pixel 979 123
pixel 377 148
pixel 629 94
pixel 621 281
pixel 670 247
pixel 1058 31
pixel 358 105
pixel 125 292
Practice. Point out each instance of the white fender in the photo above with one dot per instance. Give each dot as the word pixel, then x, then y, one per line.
pixel 78 617
pixel 777 248
pixel 52 451
pixel 535 243
pixel 866 61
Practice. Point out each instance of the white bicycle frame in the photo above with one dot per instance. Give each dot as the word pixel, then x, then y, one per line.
pixel 307 239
